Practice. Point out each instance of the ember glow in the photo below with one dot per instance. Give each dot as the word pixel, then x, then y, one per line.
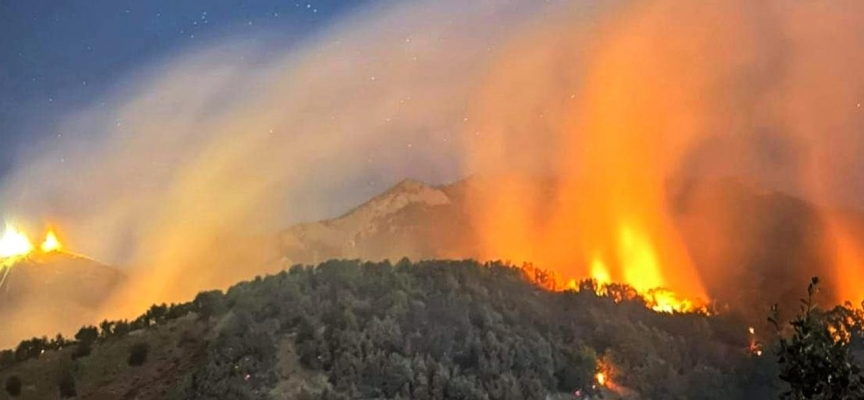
pixel 753 346
pixel 600 377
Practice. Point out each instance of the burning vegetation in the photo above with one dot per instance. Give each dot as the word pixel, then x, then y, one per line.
pixel 656 298
pixel 15 244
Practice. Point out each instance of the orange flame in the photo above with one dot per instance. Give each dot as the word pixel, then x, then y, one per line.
pixel 848 263
pixel 599 272
pixel 15 243
pixel 51 242
pixel 657 299
pixel 600 377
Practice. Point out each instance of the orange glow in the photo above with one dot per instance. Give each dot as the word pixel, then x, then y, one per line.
pixel 14 243
pixel 657 299
pixel 609 146
pixel 662 300
pixel 599 272
pixel 51 242
pixel 600 377
pixel 849 268
pixel 638 261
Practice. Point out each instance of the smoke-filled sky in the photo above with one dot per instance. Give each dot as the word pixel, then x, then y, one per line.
pixel 63 61
pixel 310 108
pixel 56 55
pixel 148 131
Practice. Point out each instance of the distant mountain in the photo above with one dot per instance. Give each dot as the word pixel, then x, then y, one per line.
pixel 45 292
pixel 411 219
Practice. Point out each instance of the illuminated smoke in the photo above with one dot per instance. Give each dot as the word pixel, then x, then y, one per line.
pixel 624 120
pixel 588 128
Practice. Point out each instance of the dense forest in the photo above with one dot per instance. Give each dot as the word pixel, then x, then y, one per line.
pixel 427 330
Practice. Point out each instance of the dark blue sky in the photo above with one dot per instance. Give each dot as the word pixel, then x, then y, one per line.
pixel 56 54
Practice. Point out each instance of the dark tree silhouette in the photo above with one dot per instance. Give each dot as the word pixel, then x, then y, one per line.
pixel 138 354
pixel 814 357
pixel 13 386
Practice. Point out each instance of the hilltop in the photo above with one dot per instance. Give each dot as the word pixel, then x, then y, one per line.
pixel 52 292
pixel 411 219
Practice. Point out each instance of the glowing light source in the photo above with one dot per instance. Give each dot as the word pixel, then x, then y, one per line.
pixel 657 298
pixel 51 243
pixel 14 243
pixel 599 272
pixel 600 377
pixel 641 269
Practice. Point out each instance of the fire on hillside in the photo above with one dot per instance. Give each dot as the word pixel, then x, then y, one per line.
pixel 15 244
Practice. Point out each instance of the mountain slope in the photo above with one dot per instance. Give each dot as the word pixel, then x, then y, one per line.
pixel 428 330
pixel 46 292
pixel 411 219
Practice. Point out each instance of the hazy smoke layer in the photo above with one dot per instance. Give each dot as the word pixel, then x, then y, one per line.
pixel 616 105
pixel 243 138
pixel 625 115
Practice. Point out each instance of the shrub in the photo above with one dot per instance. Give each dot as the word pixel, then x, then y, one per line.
pixel 87 334
pixel 81 350
pixel 138 354
pixel 67 386
pixel 13 386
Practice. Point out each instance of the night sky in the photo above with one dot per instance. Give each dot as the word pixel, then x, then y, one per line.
pixel 59 53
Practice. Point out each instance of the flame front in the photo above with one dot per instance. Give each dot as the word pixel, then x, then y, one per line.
pixel 655 298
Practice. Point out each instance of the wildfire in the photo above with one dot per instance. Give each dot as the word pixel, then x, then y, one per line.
pixel 641 269
pixel 658 299
pixel 663 300
pixel 599 272
pixel 603 376
pixel 600 377
pixel 15 243
pixel 51 242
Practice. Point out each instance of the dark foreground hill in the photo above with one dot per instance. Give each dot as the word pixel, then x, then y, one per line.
pixel 428 330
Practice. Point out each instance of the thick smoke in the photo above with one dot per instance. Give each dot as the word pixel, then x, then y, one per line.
pixel 597 125
pixel 635 114
pixel 174 175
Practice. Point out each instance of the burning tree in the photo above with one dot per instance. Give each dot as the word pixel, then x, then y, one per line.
pixel 814 357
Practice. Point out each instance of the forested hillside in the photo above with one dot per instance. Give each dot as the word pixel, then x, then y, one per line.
pixel 426 330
